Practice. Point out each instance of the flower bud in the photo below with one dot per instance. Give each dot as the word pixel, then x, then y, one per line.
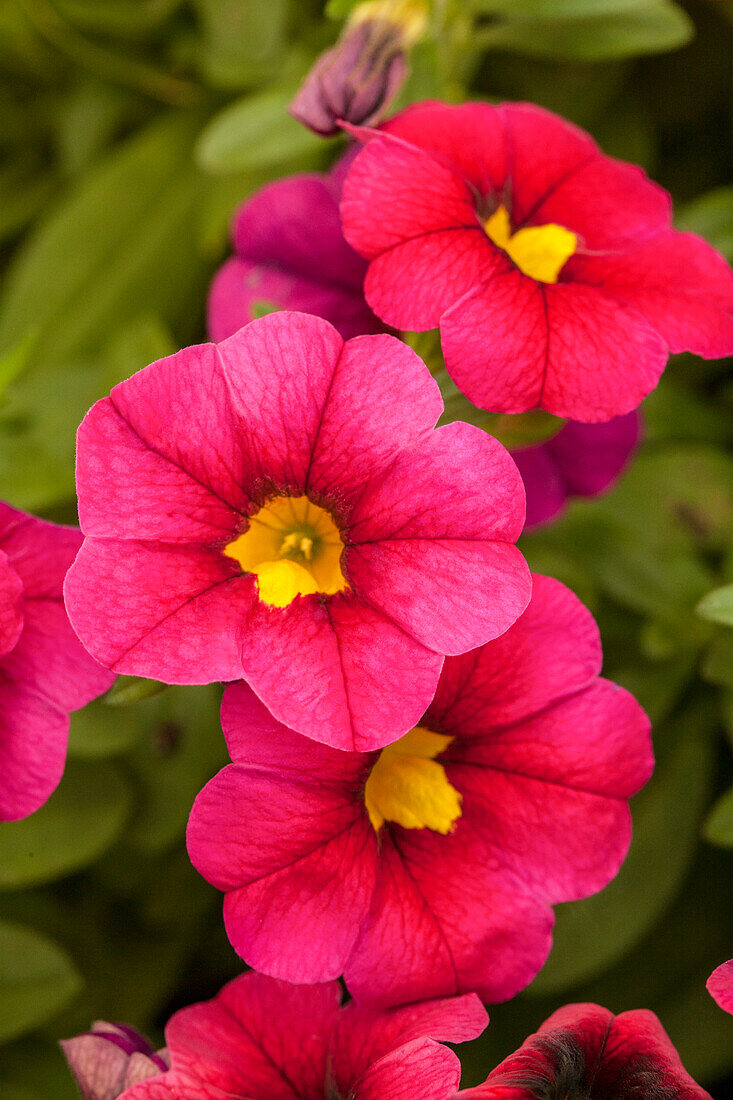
pixel 110 1059
pixel 356 80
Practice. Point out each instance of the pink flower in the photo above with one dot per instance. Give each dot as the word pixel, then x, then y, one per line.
pixel 720 986
pixel 260 1039
pixel 291 254
pixel 111 1058
pixel 431 868
pixel 583 1050
pixel 552 270
pixel 278 507
pixel 44 671
pixel 582 460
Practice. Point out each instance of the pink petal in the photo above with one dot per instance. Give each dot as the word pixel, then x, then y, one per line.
pixel 11 605
pixel 552 651
pixel 421 1068
pixel 359 682
pixel 395 191
pixel 240 286
pixel 544 484
pixel 166 612
pixel 258 1037
pixel 569 348
pixel 33 737
pixel 442 923
pixel 40 552
pixel 720 986
pixel 592 455
pixel 641 1032
pixel 371 415
pixel 678 282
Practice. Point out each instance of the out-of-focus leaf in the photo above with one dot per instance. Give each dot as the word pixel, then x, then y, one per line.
pixel 339 9
pixel 676 412
pixel 590 935
pixel 717 606
pixel 22 196
pixel 717 664
pixel 244 40
pixel 557 9
pixel 87 119
pixel 131 689
pixel 719 825
pixel 96 731
pixel 13 362
pixel 653 27
pixel 257 132
pixel 33 1068
pixel 134 346
pixel 712 217
pixel 118 17
pixel 80 821
pixel 37 978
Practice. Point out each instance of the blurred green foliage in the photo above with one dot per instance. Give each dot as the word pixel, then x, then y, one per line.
pixel 130 130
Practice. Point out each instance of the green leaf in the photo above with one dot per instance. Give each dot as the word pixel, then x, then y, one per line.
pixel 37 979
pixel 339 9
pixel 712 217
pixel 96 731
pixel 83 817
pixel 653 27
pixel 256 132
pixel 244 40
pixel 14 362
pixel 718 828
pixel 590 935
pixel 717 606
pixel 131 689
pixel 556 9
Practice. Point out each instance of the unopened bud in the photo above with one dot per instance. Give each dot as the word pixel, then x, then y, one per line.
pixel 356 80
pixel 110 1059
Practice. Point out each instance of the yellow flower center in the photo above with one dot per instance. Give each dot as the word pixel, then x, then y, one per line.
pixel 407 785
pixel 540 251
pixel 293 547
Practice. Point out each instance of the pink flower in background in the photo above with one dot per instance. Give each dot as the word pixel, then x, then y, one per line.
pixel 582 460
pixel 551 269
pixel 111 1058
pixel 431 868
pixel 720 986
pixel 583 1050
pixel 44 670
pixel 290 253
pixel 279 507
pixel 260 1039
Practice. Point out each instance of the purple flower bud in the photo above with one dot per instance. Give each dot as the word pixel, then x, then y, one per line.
pixel 110 1058
pixel 357 79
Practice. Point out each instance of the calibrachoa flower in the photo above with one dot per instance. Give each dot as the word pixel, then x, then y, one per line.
pixel 581 460
pixel 278 507
pixel 720 986
pixel 44 670
pixel 357 79
pixel 111 1058
pixel 584 1052
pixel 291 254
pixel 431 868
pixel 260 1039
pixel 551 269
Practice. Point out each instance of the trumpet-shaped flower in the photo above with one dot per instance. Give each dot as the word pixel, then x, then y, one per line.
pixel 431 867
pixel 279 508
pixel 45 672
pixel 582 460
pixel 584 1051
pixel 290 253
pixel 260 1039
pixel 551 269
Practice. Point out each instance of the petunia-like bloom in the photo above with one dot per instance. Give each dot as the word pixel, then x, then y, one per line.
pixel 279 508
pixel 551 269
pixel 582 460
pixel 111 1058
pixel 260 1039
pixel 45 672
pixel 290 253
pixel 430 868
pixel 584 1052
pixel 720 986
pixel 357 79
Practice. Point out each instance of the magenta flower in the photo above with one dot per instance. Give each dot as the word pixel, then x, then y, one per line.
pixel 45 673
pixel 720 986
pixel 582 460
pixel 583 1050
pixel 291 254
pixel 260 1039
pixel 111 1058
pixel 551 269
pixel 278 507
pixel 431 868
